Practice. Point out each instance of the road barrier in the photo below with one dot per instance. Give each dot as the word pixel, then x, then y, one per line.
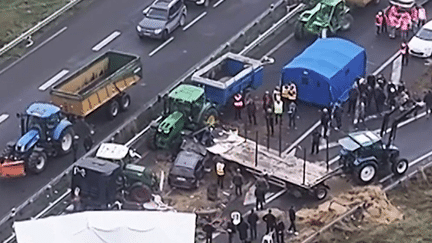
pixel 38 26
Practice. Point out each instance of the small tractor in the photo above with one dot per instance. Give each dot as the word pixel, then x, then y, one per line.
pixel 187 110
pixel 331 15
pixel 45 132
pixel 111 178
pixel 365 152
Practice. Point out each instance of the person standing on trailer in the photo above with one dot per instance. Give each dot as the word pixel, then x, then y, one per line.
pixel 238 105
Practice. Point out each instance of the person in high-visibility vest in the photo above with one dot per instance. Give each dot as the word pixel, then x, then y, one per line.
pixel 220 172
pixel 238 106
pixel 404 52
pixel 379 19
pixel 292 93
pixel 278 110
pixel 285 95
pixel 422 16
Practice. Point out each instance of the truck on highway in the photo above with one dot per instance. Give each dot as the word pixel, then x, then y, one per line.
pixel 45 132
pixel 102 82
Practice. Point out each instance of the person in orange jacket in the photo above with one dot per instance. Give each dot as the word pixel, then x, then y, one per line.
pixel 405 24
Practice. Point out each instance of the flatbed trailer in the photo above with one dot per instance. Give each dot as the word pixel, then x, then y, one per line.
pixel 101 82
pixel 284 172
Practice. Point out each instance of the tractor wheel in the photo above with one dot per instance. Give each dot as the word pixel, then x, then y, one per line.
pixel 151 139
pixel 400 166
pixel 320 192
pixel 165 35
pixel 299 32
pixel 367 172
pixel 7 151
pixel 66 141
pixel 37 161
pixel 210 117
pixel 346 22
pixel 125 102
pixel 140 193
pixel 113 109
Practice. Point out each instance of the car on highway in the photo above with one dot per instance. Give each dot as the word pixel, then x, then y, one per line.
pixel 162 17
pixel 187 170
pixel 204 3
pixel 420 44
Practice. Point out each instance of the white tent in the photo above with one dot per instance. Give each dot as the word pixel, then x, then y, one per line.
pixel 109 227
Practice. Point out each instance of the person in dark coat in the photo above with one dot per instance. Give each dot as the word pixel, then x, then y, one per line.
pixel 270 220
pixel 315 142
pixel 379 99
pixel 251 110
pixel 325 120
pixel 292 216
pixel 381 81
pixel 269 121
pixel 238 182
pixel 209 229
pixel 252 220
pixel 267 101
pixel 75 145
pixel 337 114
pixel 280 227
pixel 243 230
pixel 427 99
pixel 260 198
pixel 88 143
pixel 292 111
pixel 352 100
pixel 231 230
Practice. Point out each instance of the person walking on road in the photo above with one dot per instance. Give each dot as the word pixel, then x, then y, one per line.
pixel 75 145
pixel 238 182
pixel 231 230
pixel 292 112
pixel 404 52
pixel 352 100
pixel 405 23
pixel 427 99
pixel 414 18
pixel 267 101
pixel 379 19
pixel 280 228
pixel 292 216
pixel 325 120
pixel 270 220
pixel 251 110
pixel 208 228
pixel 278 110
pixel 238 106
pixel 315 142
pixel 337 114
pixel 379 99
pixel 252 220
pixel 220 172
pixel 269 121
pixel 243 230
pixel 422 16
pixel 261 187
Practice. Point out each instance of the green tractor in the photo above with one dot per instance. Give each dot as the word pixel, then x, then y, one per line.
pixel 332 15
pixel 187 110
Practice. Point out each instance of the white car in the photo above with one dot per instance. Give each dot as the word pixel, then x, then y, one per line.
pixel 420 45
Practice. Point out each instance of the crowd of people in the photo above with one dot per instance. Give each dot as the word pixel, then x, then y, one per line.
pixel 396 19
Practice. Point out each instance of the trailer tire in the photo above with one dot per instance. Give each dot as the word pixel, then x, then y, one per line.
pixel 320 192
pixel 346 22
pixel 400 166
pixel 125 102
pixel 165 35
pixel 299 31
pixel 113 109
pixel 367 172
pixel 210 117
pixel 37 162
pixel 140 193
pixel 66 141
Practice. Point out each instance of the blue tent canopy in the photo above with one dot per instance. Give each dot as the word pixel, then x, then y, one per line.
pixel 326 70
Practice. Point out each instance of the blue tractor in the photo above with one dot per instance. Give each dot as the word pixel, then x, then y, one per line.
pixel 45 132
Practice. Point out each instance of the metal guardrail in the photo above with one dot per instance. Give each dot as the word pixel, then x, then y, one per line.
pixel 37 27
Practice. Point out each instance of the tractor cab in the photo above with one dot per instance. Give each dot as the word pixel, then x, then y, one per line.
pixel 96 181
pixel 117 153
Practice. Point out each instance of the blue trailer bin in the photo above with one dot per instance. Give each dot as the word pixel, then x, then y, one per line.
pixel 228 75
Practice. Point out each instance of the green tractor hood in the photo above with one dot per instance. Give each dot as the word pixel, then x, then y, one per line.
pixel 169 129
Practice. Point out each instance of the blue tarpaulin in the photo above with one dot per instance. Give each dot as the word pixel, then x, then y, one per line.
pixel 326 70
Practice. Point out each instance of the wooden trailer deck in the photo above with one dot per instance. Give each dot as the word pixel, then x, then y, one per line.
pixel 289 169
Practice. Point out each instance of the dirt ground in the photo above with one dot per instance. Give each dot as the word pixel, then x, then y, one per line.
pixel 411 199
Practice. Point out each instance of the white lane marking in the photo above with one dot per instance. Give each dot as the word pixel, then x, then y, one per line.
pixel 301 138
pixel 161 46
pixel 279 45
pixel 384 65
pixel 52 80
pixel 107 40
pixel 218 3
pixel 3 117
pixel 34 49
pixel 334 160
pixel 194 21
